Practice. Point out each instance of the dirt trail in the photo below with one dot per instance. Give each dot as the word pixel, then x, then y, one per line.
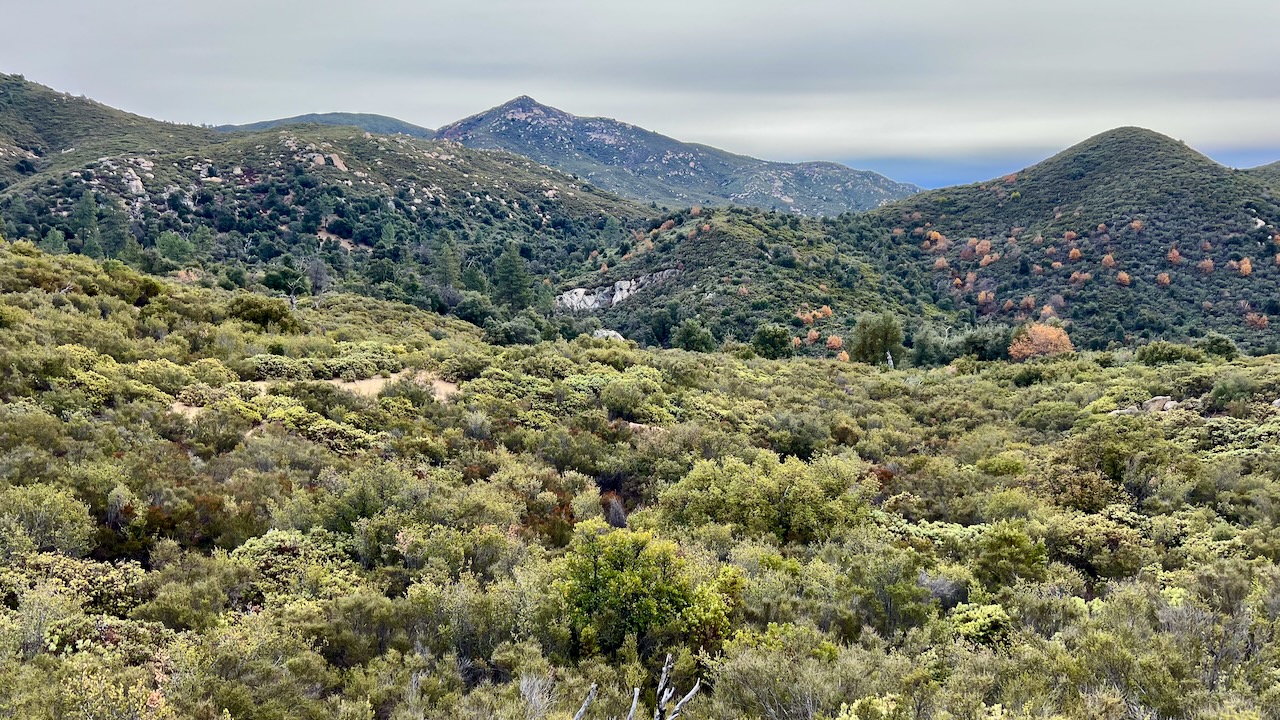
pixel 442 389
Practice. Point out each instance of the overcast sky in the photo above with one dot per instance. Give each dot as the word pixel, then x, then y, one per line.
pixel 930 91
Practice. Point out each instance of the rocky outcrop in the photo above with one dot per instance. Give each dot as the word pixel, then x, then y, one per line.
pixel 607 296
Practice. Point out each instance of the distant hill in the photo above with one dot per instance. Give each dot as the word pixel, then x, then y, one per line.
pixel 1090 233
pixel 646 166
pixel 1127 236
pixel 1269 174
pixel 377 124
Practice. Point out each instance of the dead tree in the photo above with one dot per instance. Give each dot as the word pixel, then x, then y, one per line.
pixel 665 694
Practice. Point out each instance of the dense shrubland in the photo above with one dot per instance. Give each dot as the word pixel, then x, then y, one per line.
pixel 199 518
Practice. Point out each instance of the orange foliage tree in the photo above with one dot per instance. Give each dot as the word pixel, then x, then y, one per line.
pixel 1174 256
pixel 1246 267
pixel 1075 255
pixel 835 342
pixel 1163 280
pixel 1108 260
pixel 1205 266
pixel 1039 339
pixel 1256 321
pixel 1123 279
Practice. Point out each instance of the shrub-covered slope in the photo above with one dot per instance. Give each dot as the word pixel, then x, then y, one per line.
pixel 1129 233
pixel 213 506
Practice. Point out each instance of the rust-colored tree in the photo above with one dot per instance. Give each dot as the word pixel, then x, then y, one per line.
pixel 1039 339
pixel 835 342
pixel 1075 255
pixel 1163 280
pixel 1174 256
pixel 1123 279
pixel 1108 260
pixel 1205 266
pixel 1246 267
pixel 1256 321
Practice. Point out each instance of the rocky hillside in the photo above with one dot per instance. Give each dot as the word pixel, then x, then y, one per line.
pixel 377 124
pixel 644 165
pixel 42 129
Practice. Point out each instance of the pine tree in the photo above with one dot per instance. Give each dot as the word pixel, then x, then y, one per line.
pixel 54 242
pixel 91 243
pixel 511 283
pixel 447 268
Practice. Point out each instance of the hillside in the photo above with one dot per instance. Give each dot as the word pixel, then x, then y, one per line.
pixel 42 129
pixel 1085 237
pixel 376 124
pixel 1090 235
pixel 646 166
pixel 215 506
pixel 1269 174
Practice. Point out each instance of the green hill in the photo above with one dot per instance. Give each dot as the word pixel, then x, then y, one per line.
pixel 377 124
pixel 1090 232
pixel 42 129
pixel 1269 174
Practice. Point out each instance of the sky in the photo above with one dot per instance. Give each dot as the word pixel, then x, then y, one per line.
pixel 934 92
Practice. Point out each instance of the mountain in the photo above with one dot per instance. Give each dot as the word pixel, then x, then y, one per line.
pixel 377 124
pixel 1091 234
pixel 1087 236
pixel 646 166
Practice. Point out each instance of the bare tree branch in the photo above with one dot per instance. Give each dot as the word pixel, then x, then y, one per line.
pixel 635 703
pixel 591 695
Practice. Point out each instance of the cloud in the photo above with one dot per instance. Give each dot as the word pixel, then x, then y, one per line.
pixel 801 80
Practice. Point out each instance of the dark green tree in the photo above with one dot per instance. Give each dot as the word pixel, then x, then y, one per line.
pixel 876 338
pixel 772 341
pixel 690 335
pixel 511 282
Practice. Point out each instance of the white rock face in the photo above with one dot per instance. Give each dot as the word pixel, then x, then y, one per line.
pixel 606 334
pixel 601 298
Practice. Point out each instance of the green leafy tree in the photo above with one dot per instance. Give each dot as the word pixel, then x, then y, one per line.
pixel 772 341
pixel 617 583
pixel 876 338
pixel 43 517
pixel 690 335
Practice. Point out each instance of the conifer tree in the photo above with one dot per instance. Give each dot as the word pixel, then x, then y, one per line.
pixel 511 284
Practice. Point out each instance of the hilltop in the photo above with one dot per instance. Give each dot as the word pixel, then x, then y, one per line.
pixel 1269 174
pixel 377 124
pixel 644 165
pixel 1127 235
pixel 42 129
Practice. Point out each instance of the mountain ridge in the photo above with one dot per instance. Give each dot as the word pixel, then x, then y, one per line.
pixel 642 164
pixel 378 124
